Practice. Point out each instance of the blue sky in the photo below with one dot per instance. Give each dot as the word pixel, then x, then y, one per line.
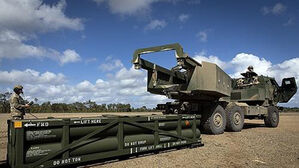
pixel 67 51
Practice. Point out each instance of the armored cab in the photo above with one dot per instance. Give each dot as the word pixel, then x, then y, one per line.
pixel 204 88
pixel 257 97
pixel 263 90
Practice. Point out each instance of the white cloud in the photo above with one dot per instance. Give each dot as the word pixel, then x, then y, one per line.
pixel 135 7
pixel 127 7
pixel 131 7
pixel 202 56
pixel 85 86
pixel 111 64
pixel 124 73
pixel 202 35
pixel 100 84
pixel 31 76
pixel 289 22
pixel 183 17
pixel 31 16
pixel 285 69
pixel 242 60
pixel 238 64
pixel 22 21
pixel 12 47
pixel 156 24
pixel 130 82
pixel 123 86
pixel 69 56
pixel 277 9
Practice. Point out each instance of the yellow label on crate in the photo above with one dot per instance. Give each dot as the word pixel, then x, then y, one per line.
pixel 187 123
pixel 18 124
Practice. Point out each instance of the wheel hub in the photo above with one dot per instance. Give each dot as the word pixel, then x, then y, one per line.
pixel 237 118
pixel 218 120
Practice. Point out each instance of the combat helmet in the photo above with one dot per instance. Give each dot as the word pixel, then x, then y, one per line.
pixel 250 68
pixel 17 88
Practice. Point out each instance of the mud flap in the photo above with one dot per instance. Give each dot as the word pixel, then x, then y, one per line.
pixel 287 89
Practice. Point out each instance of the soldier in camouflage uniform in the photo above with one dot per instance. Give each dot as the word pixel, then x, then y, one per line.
pixel 250 76
pixel 17 104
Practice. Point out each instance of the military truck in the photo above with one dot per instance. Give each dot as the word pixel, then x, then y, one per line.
pixel 204 88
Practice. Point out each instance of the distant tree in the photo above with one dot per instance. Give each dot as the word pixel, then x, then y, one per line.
pixel 290 109
pixel 79 107
pixel 4 102
pixel 46 107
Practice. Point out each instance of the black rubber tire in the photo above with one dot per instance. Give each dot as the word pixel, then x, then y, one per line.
pixel 272 119
pixel 214 121
pixel 234 119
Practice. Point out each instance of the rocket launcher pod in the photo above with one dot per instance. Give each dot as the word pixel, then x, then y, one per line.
pixel 188 80
pixel 75 141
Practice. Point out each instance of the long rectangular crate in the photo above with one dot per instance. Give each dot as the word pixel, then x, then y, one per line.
pixel 55 142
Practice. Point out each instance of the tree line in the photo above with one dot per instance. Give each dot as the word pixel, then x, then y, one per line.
pixel 290 109
pixel 88 106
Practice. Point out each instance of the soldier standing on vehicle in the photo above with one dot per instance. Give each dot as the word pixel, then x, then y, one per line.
pixel 17 103
pixel 250 75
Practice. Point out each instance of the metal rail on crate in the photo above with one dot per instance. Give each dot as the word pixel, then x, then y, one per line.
pixel 16 144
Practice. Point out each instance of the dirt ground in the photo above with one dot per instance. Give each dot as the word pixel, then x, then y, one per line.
pixel 255 146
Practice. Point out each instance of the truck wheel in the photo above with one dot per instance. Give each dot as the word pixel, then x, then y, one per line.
pixel 272 119
pixel 235 119
pixel 214 121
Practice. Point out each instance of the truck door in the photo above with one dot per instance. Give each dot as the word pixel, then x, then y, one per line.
pixel 287 89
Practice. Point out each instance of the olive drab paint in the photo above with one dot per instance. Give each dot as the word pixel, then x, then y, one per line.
pixel 204 88
pixel 206 81
pixel 265 91
pixel 192 84
pixel 62 142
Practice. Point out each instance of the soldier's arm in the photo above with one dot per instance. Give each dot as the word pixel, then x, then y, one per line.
pixel 17 105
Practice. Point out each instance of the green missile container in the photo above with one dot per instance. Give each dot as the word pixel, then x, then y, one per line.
pixel 64 142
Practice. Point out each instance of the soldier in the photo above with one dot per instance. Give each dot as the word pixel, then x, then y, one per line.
pixel 249 73
pixel 250 76
pixel 17 103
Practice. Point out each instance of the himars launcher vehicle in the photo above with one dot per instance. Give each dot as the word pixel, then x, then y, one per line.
pixel 205 96
pixel 204 88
